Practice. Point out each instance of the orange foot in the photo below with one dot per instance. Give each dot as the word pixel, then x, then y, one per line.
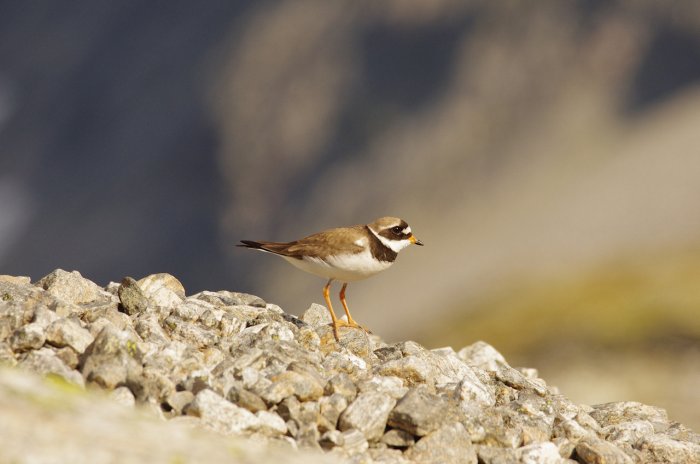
pixel 353 324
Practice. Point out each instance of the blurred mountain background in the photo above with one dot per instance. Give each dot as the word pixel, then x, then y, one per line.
pixel 548 155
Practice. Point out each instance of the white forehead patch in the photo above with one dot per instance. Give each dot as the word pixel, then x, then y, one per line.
pixel 406 230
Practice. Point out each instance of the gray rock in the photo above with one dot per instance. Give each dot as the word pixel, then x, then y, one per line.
pixel 224 417
pixel 387 456
pixel 245 399
pixel 368 414
pixel 471 391
pixel 97 317
pixel 123 396
pixel 7 356
pixel 113 357
pixel 593 450
pixel 68 332
pixel 290 409
pixel 616 413
pixel 17 280
pixel 151 385
pixel 497 455
pixel 540 453
pixel 420 412
pixel 226 298
pixel 192 309
pixel 231 325
pixel 71 287
pixel 162 290
pixel 18 299
pixel 413 370
pixel 317 315
pixel 43 316
pixel 269 424
pixel 68 356
pixel 331 439
pixel 628 432
pixel 303 386
pixel 355 442
pixel 483 356
pixel 308 434
pixel 398 438
pixel 662 448
pixel 330 407
pixel 28 337
pixel 45 362
pixel 150 330
pixel 390 385
pixel 190 333
pixel 337 362
pixel 515 379
pixel 343 385
pixel 449 444
pixel 133 299
pixel 179 400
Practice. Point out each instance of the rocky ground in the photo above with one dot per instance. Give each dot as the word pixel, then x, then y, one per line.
pixel 226 377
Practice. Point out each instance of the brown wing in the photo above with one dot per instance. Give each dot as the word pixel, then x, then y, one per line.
pixel 328 242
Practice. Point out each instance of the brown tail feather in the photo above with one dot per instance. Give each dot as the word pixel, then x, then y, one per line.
pixel 250 244
pixel 270 247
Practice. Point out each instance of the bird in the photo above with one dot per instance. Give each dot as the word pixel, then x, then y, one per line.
pixel 344 254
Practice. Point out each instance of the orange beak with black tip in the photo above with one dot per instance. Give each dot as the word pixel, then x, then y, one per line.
pixel 415 241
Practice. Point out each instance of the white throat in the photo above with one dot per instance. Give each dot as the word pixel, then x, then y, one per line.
pixel 394 245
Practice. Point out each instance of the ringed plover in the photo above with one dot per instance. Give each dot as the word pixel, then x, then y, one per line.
pixel 345 254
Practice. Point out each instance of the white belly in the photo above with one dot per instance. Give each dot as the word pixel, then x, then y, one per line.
pixel 346 268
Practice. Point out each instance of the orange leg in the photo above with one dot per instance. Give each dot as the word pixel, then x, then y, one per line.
pixel 327 297
pixel 351 322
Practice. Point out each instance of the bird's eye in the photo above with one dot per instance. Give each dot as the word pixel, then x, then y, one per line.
pixel 397 230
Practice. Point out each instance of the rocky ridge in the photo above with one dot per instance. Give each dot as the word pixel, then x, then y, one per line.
pixel 238 366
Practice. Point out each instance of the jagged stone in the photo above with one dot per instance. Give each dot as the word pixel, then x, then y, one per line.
pixel 133 300
pixel 331 407
pixel 68 332
pixel 592 450
pixel 123 396
pixel 398 438
pixel 246 399
pixel 355 442
pixel 615 413
pixel 224 417
pixel 71 287
pixel 387 456
pixel 7 356
pixel 226 298
pixel 113 357
pixel 179 400
pixel 43 316
pixel 343 385
pixel 419 412
pixel 28 337
pixel 449 444
pixel 17 280
pixel 162 290
pixel 317 315
pixel 45 362
pixel 662 448
pixel 482 355
pixel 368 414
